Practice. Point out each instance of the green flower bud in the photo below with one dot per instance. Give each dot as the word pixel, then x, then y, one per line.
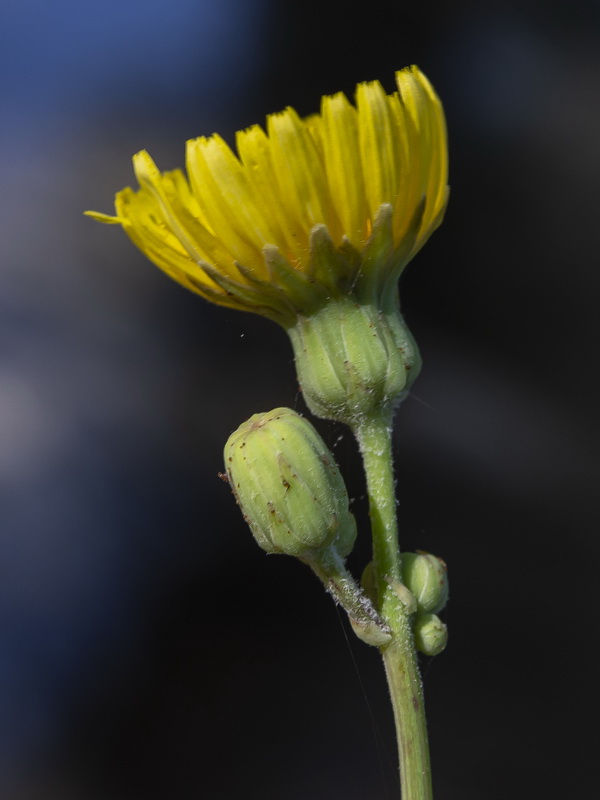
pixel 431 635
pixel 426 577
pixel 288 486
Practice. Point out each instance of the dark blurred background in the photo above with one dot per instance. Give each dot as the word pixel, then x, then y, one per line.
pixel 148 648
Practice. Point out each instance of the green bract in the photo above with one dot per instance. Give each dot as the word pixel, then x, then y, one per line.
pixel 288 486
pixel 353 359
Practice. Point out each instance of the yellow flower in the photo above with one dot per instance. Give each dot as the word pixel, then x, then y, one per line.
pixel 311 210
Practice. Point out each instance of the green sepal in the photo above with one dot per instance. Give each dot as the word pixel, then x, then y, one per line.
pixel 329 265
pixel 252 297
pixel 350 360
pixel 383 262
pixel 304 292
pixel 230 299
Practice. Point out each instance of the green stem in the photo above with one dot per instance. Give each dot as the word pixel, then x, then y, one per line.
pixel 399 656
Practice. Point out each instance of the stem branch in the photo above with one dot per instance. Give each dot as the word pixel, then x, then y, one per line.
pixel 366 622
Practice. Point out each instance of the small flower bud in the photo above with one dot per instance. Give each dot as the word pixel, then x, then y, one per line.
pixel 426 577
pixel 431 635
pixel 288 485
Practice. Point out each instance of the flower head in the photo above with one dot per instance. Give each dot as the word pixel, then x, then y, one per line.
pixel 308 210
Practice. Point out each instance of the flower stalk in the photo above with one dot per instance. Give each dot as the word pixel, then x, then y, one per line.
pixel 399 655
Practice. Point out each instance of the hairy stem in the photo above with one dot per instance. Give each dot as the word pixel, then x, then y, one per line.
pixel 399 656
pixel 366 622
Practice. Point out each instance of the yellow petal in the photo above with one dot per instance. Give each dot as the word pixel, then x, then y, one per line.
pixel 300 173
pixel 314 125
pixel 227 199
pixel 378 145
pixel 151 181
pixel 428 149
pixel 254 149
pixel 108 219
pixel 151 235
pixel 411 187
pixel 343 165
pixel 197 240
pixel 437 188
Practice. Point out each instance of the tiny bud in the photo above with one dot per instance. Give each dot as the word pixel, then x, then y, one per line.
pixel 426 577
pixel 288 485
pixel 431 635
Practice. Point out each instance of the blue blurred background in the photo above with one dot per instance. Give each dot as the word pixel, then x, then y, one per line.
pixel 148 648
